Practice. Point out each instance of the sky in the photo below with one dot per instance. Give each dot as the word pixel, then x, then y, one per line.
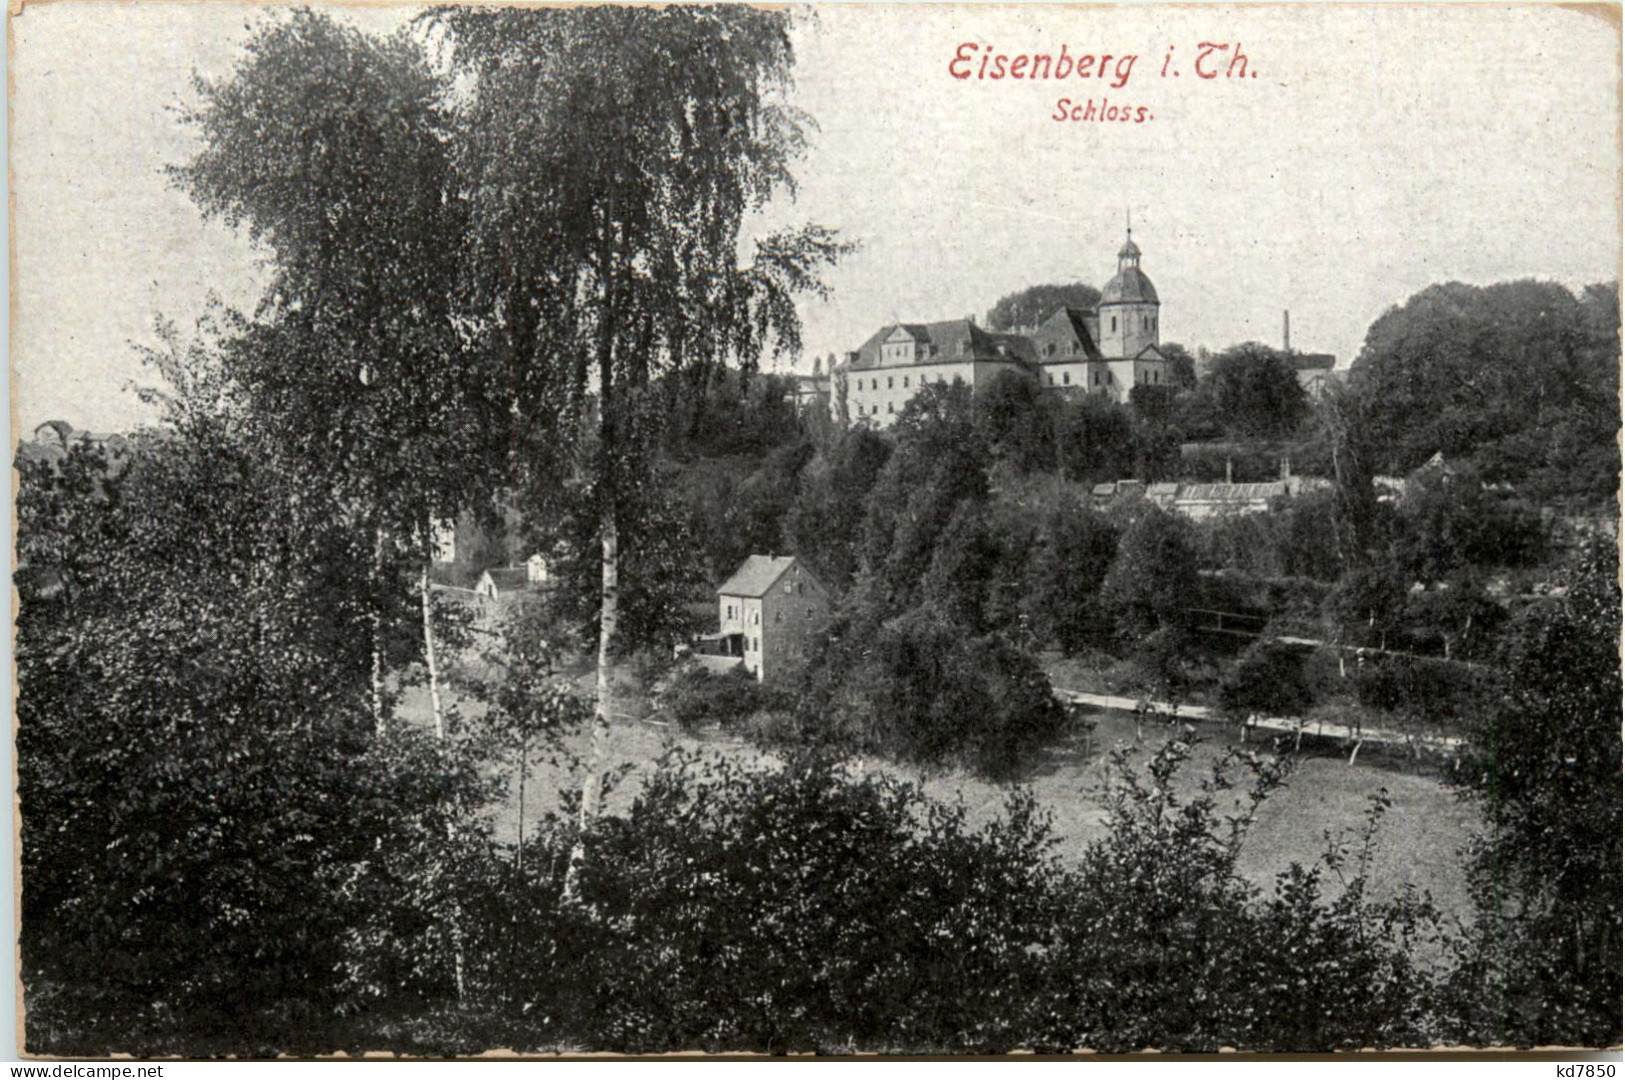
pixel 1365 153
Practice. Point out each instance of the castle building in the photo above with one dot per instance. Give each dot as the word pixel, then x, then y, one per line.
pixel 1073 352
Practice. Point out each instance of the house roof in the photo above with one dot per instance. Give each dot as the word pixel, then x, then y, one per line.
pixel 507 578
pixel 1231 492
pixel 756 575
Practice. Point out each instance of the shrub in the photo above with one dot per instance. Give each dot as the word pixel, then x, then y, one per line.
pixel 694 697
pixel 1438 690
pixel 788 910
pixel 920 689
pixel 1268 678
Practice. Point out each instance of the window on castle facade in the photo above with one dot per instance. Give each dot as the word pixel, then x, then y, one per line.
pixel 1066 378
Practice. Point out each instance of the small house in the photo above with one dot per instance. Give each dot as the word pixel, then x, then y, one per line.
pixel 501 583
pixel 769 611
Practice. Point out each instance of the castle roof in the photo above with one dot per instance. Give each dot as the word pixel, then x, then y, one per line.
pixel 1129 286
pixel 1065 323
pixel 953 339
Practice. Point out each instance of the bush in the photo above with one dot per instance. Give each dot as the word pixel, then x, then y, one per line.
pixel 1269 679
pixel 920 689
pixel 802 909
pixel 791 910
pixel 694 697
pixel 1438 690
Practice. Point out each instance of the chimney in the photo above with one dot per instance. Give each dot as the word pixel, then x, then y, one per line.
pixel 1286 467
pixel 1228 471
pixel 1286 331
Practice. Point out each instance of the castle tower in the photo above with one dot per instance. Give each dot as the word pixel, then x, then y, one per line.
pixel 1128 307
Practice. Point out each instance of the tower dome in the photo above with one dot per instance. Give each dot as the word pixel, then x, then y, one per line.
pixel 1128 311
pixel 1129 285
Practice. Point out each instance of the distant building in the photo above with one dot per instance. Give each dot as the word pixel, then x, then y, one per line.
pixel 1108 351
pixel 466 545
pixel 768 612
pixel 811 392
pixel 444 540
pixel 501 583
pixel 53 439
pixel 1202 501
pixel 538 569
pixel 1199 501
pixel 1315 372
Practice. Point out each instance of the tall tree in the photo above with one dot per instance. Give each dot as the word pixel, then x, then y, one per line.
pixel 1544 957
pixel 610 157
pixel 1152 578
pixel 824 524
pixel 1256 390
pixel 1522 376
pixel 327 145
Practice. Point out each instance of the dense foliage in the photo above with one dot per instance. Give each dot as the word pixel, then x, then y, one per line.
pixel 1544 957
pixel 231 842
pixel 1520 378
pixel 209 816
pixel 802 908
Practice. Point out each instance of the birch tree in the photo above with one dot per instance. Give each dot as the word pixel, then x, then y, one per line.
pixel 611 158
pixel 329 148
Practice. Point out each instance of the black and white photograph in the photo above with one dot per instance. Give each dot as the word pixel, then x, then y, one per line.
pixel 849 530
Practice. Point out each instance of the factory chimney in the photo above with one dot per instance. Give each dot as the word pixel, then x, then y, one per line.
pixel 1286 331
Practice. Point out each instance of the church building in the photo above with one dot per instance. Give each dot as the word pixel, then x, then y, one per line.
pixel 1107 351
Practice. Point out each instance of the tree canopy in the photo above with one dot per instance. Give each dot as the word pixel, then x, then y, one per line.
pixel 1521 377
pixel 1256 391
pixel 1034 304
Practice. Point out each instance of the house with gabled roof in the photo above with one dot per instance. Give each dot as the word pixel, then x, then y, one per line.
pixel 769 611
pixel 501 583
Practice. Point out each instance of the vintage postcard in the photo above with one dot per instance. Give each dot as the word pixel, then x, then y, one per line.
pixel 946 529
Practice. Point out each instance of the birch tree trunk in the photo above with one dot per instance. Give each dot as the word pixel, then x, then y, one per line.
pixel 428 655
pixel 592 787
pixel 440 736
pixel 524 767
pixel 377 637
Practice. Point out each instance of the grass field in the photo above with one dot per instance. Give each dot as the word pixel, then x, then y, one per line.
pixel 1418 842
